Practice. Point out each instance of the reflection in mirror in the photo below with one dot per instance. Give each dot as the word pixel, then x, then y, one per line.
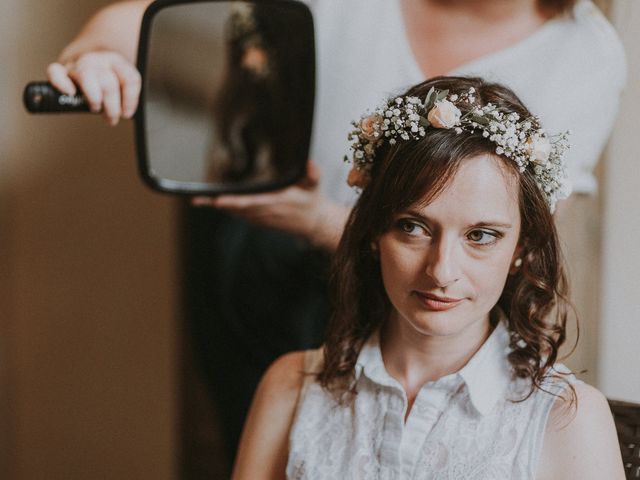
pixel 228 95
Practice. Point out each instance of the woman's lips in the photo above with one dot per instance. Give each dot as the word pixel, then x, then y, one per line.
pixel 437 303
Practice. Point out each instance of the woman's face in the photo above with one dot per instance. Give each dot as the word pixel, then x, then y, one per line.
pixel 444 265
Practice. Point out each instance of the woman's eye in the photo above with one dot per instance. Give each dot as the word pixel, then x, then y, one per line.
pixel 482 237
pixel 411 228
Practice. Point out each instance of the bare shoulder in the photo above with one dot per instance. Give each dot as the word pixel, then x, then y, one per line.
pixel 263 448
pixel 286 373
pixel 281 384
pixel 580 440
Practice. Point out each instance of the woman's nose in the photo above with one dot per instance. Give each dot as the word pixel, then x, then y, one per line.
pixel 443 262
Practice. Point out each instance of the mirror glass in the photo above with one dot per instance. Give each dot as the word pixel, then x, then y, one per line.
pixel 228 93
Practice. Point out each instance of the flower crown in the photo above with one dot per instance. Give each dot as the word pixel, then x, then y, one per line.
pixel 408 118
pixel 244 30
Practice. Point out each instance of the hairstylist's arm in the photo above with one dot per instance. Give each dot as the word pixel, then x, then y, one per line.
pixel 300 209
pixel 100 61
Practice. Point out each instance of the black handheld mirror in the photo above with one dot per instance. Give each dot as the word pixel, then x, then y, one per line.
pixel 227 97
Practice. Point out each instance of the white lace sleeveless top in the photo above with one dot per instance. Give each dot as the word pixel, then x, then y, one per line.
pixel 462 426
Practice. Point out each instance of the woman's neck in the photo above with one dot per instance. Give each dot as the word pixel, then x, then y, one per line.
pixel 489 11
pixel 446 34
pixel 415 359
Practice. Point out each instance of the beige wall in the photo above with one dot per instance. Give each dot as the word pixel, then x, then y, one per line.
pixel 88 281
pixel 619 372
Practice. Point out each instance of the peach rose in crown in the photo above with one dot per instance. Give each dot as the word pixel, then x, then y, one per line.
pixel 358 178
pixel 368 127
pixel 256 60
pixel 539 149
pixel 444 114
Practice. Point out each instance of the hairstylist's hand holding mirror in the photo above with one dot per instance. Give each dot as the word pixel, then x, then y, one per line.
pixel 226 92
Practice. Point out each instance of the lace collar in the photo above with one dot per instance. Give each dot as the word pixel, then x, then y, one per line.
pixel 487 374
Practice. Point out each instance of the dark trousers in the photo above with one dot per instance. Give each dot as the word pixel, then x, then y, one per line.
pixel 251 294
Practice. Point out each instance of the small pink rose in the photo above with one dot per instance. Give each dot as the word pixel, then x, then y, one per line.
pixel 368 127
pixel 358 178
pixel 444 114
pixel 539 149
pixel 255 59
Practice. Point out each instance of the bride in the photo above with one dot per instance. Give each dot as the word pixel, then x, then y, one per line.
pixel 440 361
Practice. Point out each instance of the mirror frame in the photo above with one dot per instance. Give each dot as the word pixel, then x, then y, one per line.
pixel 195 188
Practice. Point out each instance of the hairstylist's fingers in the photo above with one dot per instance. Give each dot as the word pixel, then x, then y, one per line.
pixel 111 99
pixel 89 83
pixel 233 203
pixel 313 174
pixel 202 201
pixel 58 75
pixel 95 74
pixel 130 85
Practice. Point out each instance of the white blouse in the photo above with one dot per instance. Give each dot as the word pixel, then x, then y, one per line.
pixel 462 426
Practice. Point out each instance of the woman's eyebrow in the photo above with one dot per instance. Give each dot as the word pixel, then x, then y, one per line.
pixel 490 223
pixel 417 214
pixel 482 223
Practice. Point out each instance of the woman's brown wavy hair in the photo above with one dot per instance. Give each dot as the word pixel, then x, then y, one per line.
pixel 411 172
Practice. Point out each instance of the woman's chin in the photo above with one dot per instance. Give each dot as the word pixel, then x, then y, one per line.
pixel 436 324
pixel 447 323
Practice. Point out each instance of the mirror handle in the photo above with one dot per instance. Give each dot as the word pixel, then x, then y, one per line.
pixel 42 97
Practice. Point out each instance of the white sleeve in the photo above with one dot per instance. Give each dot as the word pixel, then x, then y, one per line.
pixel 596 78
pixel 573 81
